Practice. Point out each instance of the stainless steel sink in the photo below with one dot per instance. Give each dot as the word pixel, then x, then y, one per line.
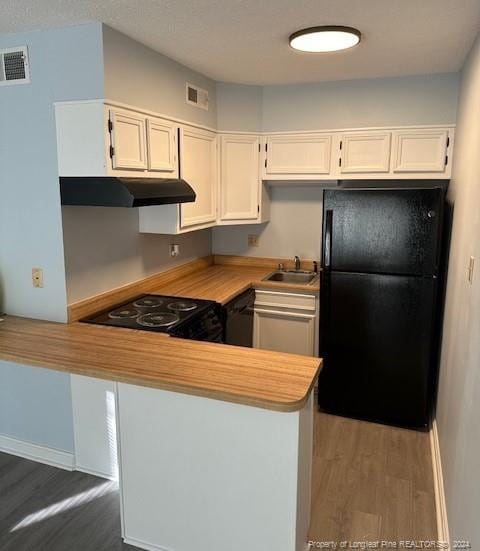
pixel 291 276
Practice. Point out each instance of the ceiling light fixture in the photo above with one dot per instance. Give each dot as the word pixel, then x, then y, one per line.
pixel 330 38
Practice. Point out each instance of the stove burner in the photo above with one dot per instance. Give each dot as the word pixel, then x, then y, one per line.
pixel 150 302
pixel 123 313
pixel 182 306
pixel 160 319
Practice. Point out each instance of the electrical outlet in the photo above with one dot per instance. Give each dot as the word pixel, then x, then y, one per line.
pixel 253 240
pixel 471 268
pixel 37 277
pixel 174 249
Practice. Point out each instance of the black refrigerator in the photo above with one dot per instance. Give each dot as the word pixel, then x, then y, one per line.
pixel 379 303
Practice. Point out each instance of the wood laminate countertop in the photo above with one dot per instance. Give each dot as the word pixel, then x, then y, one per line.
pixel 222 283
pixel 260 378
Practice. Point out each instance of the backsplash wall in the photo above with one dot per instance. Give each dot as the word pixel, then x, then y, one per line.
pixel 294 227
pixel 104 250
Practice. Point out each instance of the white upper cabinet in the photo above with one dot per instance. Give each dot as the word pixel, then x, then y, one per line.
pixel 365 152
pixel 142 143
pixel 199 167
pixel 128 140
pixel 100 138
pixel 162 146
pixel 198 154
pixel 389 153
pixel 420 150
pixel 299 155
pixel 239 177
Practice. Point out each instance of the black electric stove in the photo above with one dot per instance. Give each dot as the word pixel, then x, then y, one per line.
pixel 195 319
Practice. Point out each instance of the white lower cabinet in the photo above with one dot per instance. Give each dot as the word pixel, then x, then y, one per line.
pixel 285 322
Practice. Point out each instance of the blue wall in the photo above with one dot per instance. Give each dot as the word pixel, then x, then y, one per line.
pixel 400 101
pixel 36 406
pixel 415 100
pixel 66 64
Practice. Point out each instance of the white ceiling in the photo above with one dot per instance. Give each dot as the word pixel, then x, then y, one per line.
pixel 246 41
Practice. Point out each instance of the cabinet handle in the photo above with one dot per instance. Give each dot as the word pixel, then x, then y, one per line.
pixel 284 314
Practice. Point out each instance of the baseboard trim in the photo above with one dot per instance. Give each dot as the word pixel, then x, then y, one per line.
pixel 440 503
pixel 93 472
pixel 34 452
pixel 143 545
pixel 150 547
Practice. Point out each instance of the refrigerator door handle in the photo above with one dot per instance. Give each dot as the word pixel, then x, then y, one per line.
pixel 327 246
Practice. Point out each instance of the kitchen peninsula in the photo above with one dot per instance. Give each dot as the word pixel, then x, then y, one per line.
pixel 211 438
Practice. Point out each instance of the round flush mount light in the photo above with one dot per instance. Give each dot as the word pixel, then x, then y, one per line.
pixel 330 38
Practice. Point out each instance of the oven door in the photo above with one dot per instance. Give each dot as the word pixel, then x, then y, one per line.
pixel 207 326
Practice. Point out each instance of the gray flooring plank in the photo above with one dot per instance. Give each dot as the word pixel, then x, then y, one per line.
pixel 45 508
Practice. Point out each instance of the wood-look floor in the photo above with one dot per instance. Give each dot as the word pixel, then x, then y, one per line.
pixel 43 508
pixel 370 482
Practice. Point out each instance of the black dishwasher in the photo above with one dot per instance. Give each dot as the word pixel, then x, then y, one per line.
pixel 239 319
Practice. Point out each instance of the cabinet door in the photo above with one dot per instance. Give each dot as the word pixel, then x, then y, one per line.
pixel 198 166
pixel 161 145
pixel 420 150
pixel 284 331
pixel 239 177
pixel 365 152
pixel 298 154
pixel 128 138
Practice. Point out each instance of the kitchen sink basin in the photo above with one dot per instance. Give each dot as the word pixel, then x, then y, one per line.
pixel 292 276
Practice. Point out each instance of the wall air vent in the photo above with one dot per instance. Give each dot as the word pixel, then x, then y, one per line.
pixel 197 96
pixel 14 66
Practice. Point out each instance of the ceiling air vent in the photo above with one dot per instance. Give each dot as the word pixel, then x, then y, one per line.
pixel 14 66
pixel 197 96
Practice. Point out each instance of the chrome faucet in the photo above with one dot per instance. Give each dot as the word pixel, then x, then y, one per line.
pixel 297 263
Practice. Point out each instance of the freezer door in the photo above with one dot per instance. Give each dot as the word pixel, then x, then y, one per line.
pixel 383 231
pixel 377 339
